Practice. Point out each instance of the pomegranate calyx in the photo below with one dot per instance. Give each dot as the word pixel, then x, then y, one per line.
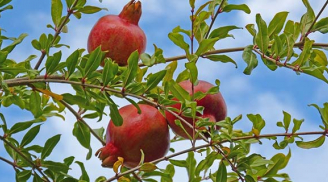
pixel 131 12
pixel 108 155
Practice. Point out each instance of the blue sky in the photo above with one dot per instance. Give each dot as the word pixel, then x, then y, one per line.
pixel 265 92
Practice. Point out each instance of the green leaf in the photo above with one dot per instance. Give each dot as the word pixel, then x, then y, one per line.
pixel 316 72
pixel 90 9
pixel 3 56
pixel 93 61
pixel 250 28
pixel 262 37
pixel 18 127
pixel 205 45
pixel 147 167
pixel 82 134
pixel 277 23
pixel 56 11
pixel 178 40
pixel 323 113
pixel 178 92
pixel 297 124
pixel 35 104
pixel 52 62
pixel 56 167
pixel 134 104
pixel 109 72
pixel 14 43
pixel 221 175
pixel 49 146
pixel 320 57
pixel 311 144
pixel 258 122
pixel 30 135
pixel 101 179
pixel 222 32
pixel 321 26
pixel 72 61
pixel 287 120
pixel 132 69
pixel 306 53
pixel 114 113
pixel 242 7
pixel 221 58
pixel 23 175
pixel 307 19
pixel 154 80
pixel 170 68
pixel 192 3
pixel 179 163
pixel 84 176
pixel 250 58
pixel 191 66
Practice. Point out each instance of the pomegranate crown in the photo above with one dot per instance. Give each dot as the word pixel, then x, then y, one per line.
pixel 131 12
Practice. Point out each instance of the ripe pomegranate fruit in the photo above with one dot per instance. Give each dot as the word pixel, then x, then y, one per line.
pixel 147 131
pixel 119 35
pixel 214 107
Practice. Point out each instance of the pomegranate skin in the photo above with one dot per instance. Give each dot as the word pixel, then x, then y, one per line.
pixel 214 107
pixel 147 131
pixel 119 35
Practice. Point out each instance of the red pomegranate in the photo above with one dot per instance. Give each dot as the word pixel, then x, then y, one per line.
pixel 147 131
pixel 119 35
pixel 214 107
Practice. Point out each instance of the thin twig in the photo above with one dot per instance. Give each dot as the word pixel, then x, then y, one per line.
pixel 11 163
pixel 214 18
pixel 58 31
pixel 219 142
pixel 80 119
pixel 27 159
pixel 315 20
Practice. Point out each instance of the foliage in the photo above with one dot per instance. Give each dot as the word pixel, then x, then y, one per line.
pixel 94 88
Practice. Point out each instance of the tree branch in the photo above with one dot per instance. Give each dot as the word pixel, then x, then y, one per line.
pixel 23 156
pixel 219 10
pixel 219 142
pixel 58 31
pixel 80 119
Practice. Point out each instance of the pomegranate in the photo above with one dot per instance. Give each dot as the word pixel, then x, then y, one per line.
pixel 119 35
pixel 214 107
pixel 147 131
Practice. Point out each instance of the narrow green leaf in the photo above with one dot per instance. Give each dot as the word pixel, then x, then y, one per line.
pixel 223 32
pixel 93 61
pixel 287 120
pixel 178 40
pixel 178 91
pixel 35 104
pixel 16 41
pixel 306 53
pixel 316 72
pixel 109 72
pixel 114 113
pixel 250 58
pixel 262 37
pixel 307 18
pixel 170 69
pixel 71 62
pixel 154 80
pixel 221 58
pixel 56 11
pixel 179 163
pixel 52 62
pixel 221 175
pixel 49 146
pixel 311 144
pixel 191 66
pixel 205 45
pixel 3 56
pixel 277 23
pixel 30 135
pixel 321 26
pixel 90 9
pixel 242 7
pixel 323 113
pixel 147 167
pixel 82 134
pixel 23 175
pixel 132 69
pixel 134 104
pixel 250 28
pixel 56 167
pixel 84 176
pixel 297 124
pixel 320 57
pixel 18 127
